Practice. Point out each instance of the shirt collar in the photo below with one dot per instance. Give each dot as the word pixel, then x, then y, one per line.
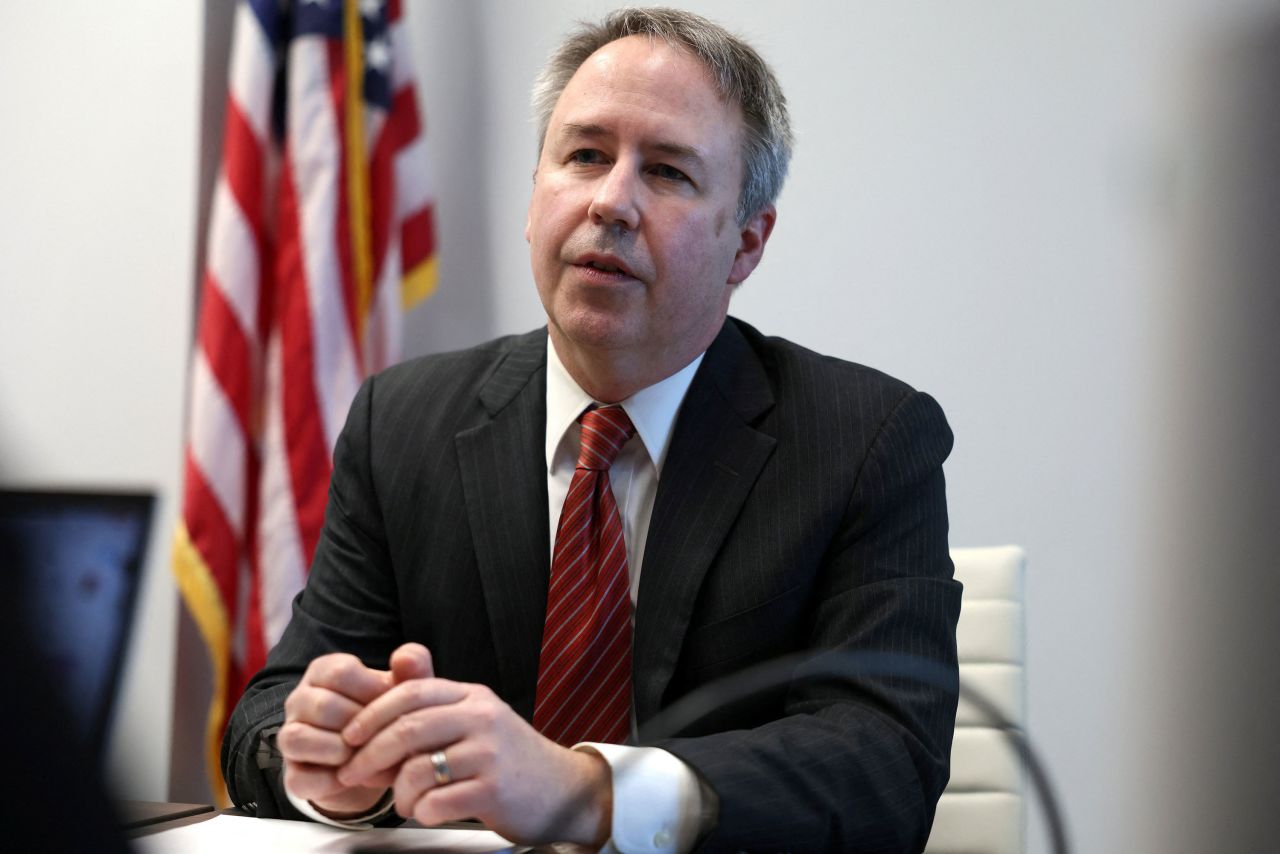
pixel 652 410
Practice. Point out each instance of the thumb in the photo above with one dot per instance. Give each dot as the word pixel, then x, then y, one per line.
pixel 411 661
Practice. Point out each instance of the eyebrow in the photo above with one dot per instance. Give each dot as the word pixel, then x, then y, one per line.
pixel 571 130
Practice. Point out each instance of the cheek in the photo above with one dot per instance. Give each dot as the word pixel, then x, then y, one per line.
pixel 722 221
pixel 702 254
pixel 550 218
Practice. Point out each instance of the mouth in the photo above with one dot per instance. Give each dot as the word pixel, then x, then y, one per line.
pixel 604 266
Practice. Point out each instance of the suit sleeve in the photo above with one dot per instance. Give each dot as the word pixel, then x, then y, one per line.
pixel 858 762
pixel 349 605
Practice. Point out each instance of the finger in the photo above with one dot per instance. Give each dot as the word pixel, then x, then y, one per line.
pixel 411 661
pixel 383 779
pixel 320 707
pixel 417 774
pixel 398 702
pixel 301 742
pixel 346 675
pixel 311 782
pixel 465 799
pixel 421 731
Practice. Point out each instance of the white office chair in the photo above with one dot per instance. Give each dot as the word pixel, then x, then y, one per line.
pixel 983 809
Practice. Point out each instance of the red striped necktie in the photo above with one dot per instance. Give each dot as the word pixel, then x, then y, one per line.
pixel 584 672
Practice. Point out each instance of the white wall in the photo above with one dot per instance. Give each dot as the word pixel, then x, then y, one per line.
pixel 97 219
pixel 976 205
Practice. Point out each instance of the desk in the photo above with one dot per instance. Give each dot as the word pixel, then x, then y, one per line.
pixel 142 817
pixel 199 829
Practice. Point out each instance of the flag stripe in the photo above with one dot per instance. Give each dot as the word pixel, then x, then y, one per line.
pixel 280 544
pixel 413 183
pixel 211 533
pixel 233 256
pixel 253 61
pixel 217 445
pixel 403 125
pixel 417 236
pixel 227 350
pixel 243 168
pixel 315 185
pixel 382 336
pixel 345 221
pixel 382 176
pixel 315 162
pixel 305 442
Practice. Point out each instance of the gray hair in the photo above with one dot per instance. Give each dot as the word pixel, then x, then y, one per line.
pixel 741 76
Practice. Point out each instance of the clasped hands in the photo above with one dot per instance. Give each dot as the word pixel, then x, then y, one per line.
pixel 352 732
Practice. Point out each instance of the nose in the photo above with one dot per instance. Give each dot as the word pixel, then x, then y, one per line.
pixel 615 202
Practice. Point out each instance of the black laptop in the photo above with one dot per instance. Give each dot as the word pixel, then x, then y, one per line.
pixel 74 561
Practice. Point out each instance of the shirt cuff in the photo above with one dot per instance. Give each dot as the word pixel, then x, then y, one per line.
pixel 657 800
pixel 364 822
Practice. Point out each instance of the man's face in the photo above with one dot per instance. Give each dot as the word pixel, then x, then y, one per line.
pixel 632 227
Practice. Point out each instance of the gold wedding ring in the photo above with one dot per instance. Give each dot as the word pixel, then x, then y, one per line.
pixel 441 766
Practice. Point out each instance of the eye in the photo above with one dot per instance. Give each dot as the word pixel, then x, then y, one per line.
pixel 669 173
pixel 586 157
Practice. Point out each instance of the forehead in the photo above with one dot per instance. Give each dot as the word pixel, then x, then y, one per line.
pixel 640 80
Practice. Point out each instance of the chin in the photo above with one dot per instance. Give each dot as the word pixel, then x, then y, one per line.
pixel 597 330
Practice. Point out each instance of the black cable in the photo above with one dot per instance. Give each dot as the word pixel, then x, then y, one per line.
pixel 793 669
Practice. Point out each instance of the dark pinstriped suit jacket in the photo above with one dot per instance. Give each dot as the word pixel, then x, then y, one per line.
pixel 801 506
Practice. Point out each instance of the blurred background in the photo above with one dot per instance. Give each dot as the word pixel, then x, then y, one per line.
pixel 1061 219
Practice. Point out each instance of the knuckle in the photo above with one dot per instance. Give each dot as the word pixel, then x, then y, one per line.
pixel 344 661
pixel 486 715
pixel 486 754
pixel 406 729
pixel 417 775
pixel 316 669
pixel 304 704
pixel 417 692
pixel 328 668
pixel 315 706
pixel 290 738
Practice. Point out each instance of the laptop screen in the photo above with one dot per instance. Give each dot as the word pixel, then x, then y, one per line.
pixel 75 560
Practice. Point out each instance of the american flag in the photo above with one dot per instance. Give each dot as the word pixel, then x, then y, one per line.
pixel 320 234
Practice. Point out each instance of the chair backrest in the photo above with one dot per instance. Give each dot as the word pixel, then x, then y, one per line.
pixel 983 808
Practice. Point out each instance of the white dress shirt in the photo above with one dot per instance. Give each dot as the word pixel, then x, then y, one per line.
pixel 657 799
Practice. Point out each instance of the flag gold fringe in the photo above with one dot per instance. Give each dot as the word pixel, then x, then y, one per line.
pixel 419 283
pixel 357 162
pixel 200 593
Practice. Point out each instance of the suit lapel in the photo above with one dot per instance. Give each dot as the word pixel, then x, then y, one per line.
pixel 504 482
pixel 715 456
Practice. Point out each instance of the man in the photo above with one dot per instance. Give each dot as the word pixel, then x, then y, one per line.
pixel 764 500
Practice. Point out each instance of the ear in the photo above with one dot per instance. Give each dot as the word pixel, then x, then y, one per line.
pixel 752 238
pixel 528 217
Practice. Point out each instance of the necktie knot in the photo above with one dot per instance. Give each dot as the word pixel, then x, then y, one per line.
pixel 604 431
